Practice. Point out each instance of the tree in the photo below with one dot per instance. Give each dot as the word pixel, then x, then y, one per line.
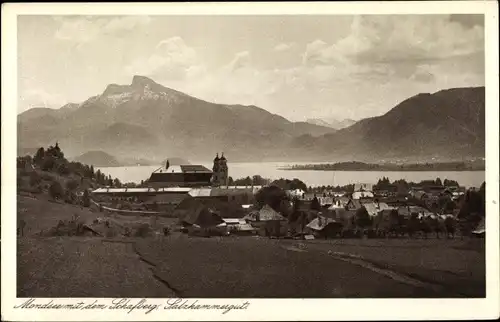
pixel 362 218
pixel 92 171
pixel 287 184
pixel 298 184
pixel 98 176
pixel 271 196
pixel 71 185
pixel 117 183
pixel 35 179
pixel 23 161
pixel 257 180
pixel 56 191
pixel 449 206
pixel 63 169
pixel 48 163
pixel 86 198
pixel 448 183
pixel 55 152
pixel 315 205
pixel 438 182
pixel 39 156
pixel 243 181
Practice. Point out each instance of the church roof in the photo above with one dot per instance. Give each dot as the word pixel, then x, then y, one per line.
pixel 185 168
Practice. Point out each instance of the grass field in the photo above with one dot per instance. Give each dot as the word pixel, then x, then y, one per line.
pixel 83 267
pixel 40 213
pixel 179 265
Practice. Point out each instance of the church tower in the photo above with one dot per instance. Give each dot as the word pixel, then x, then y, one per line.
pixel 223 170
pixel 216 169
pixel 220 171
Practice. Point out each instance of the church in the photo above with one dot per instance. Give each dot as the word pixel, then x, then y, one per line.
pixel 170 184
pixel 189 175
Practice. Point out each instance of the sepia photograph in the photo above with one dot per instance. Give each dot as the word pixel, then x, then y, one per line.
pixel 276 156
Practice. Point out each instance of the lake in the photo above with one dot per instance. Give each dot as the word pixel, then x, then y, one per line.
pixel 310 177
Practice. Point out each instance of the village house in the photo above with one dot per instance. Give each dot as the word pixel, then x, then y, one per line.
pixel 362 190
pixel 353 204
pixel 268 221
pixel 373 208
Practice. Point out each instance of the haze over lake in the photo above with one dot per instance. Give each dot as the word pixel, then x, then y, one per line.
pixel 311 178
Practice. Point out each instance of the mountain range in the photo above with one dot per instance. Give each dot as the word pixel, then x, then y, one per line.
pixel 147 120
pixel 331 122
pixel 446 125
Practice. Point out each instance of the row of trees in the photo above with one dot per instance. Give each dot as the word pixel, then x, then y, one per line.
pixel 52 160
pixel 248 181
pixel 384 182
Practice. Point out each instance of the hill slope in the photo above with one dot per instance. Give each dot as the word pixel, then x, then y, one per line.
pixel 98 159
pixel 449 124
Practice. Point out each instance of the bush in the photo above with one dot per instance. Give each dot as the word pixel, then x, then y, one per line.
pixel 35 179
pixel 56 191
pixel 71 185
pixel 63 169
pixel 86 199
pixel 48 164
pixel 47 176
pixel 143 231
pixel 362 218
pixel 70 197
pixel 272 196
pixel 73 227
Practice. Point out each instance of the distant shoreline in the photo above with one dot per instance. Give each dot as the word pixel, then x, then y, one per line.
pixel 414 167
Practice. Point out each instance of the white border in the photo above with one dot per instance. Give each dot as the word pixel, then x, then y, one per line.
pixel 268 309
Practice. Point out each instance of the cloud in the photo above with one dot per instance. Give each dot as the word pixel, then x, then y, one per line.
pixel 172 59
pixel 398 44
pixel 240 60
pixel 83 29
pixel 283 47
pixel 423 73
pixel 38 97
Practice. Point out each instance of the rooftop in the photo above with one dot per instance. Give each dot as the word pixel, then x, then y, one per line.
pixel 185 168
pixel 143 190
pixel 221 191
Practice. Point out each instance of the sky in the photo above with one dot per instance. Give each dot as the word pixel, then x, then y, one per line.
pixel 297 66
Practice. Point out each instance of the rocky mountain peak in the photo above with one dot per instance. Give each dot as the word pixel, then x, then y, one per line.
pixel 142 81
